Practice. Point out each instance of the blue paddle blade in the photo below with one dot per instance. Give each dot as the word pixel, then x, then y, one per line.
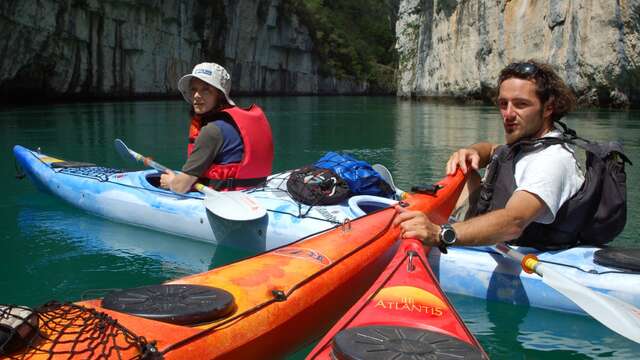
pixel 123 150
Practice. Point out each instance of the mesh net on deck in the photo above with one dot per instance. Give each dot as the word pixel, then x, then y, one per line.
pixel 96 172
pixel 64 330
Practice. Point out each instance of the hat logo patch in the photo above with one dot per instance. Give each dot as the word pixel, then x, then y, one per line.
pixel 202 71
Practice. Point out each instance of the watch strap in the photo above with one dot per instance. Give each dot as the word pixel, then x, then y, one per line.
pixel 442 247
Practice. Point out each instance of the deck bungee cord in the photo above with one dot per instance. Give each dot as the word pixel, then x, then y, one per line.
pixel 102 336
pixel 284 296
pixel 65 326
pixel 104 174
pixel 279 185
pixel 280 295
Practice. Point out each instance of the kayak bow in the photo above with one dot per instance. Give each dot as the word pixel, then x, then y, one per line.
pixel 404 315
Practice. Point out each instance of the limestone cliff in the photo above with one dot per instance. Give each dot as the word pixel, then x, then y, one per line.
pixel 455 48
pixel 124 48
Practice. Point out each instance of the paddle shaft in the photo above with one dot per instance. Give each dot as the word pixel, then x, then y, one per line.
pixel 148 161
pixel 614 313
pixel 227 205
pixel 529 263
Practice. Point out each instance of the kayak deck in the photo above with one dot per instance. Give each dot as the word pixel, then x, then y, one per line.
pixel 282 298
pixel 483 272
pixel 134 198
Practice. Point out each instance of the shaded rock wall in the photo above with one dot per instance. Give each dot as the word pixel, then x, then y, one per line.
pixel 94 47
pixel 267 50
pixel 455 48
pixel 124 48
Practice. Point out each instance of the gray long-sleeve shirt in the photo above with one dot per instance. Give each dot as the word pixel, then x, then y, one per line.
pixel 206 147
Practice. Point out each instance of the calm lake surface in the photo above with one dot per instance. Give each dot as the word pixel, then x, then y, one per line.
pixel 53 251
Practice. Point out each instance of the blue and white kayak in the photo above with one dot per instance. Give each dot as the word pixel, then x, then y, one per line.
pixel 134 198
pixel 483 272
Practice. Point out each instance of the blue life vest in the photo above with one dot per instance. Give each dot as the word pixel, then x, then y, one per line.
pixel 232 148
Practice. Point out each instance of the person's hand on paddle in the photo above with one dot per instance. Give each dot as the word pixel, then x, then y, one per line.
pixel 415 224
pixel 177 182
pixel 166 179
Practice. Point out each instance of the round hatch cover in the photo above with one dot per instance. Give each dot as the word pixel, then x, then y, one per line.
pixel 621 258
pixel 398 342
pixel 173 303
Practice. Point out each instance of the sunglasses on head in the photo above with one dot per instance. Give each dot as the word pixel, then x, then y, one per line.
pixel 525 69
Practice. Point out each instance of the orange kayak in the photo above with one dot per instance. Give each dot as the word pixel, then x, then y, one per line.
pixel 404 315
pixel 262 307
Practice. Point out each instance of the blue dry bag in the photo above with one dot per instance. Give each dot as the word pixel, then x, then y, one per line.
pixel 359 175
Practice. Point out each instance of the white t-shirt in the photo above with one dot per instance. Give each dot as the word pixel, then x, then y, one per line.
pixel 553 174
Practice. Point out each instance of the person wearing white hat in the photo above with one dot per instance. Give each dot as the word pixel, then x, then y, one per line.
pixel 229 148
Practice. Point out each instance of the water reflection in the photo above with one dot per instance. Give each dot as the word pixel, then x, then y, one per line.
pixel 71 252
pixel 426 134
pixel 305 128
pixel 172 255
pixel 531 332
pixel 54 251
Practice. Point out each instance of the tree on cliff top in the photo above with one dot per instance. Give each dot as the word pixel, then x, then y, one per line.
pixel 353 39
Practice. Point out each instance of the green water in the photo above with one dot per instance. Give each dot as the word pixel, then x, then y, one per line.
pixel 53 251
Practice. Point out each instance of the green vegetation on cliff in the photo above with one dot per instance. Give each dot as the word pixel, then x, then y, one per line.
pixel 353 39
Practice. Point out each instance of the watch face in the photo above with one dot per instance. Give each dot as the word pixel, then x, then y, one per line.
pixel 448 236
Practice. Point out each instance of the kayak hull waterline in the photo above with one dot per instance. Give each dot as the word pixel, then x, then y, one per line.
pixel 484 273
pixel 403 315
pixel 131 198
pixel 283 298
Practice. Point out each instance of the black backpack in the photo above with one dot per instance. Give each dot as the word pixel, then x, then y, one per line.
pixel 595 215
pixel 315 186
pixel 604 191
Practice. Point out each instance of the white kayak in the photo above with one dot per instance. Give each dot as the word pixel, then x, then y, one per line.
pixel 483 272
pixel 133 197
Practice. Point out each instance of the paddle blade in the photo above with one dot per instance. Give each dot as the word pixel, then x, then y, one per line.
pixel 386 176
pixel 123 150
pixel 615 314
pixel 233 205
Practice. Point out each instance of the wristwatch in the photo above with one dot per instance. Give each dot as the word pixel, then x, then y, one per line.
pixel 447 237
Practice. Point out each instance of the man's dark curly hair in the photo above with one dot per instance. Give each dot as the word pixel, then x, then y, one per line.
pixel 549 86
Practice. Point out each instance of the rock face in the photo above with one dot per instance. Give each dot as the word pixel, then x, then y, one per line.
pixel 455 48
pixel 123 48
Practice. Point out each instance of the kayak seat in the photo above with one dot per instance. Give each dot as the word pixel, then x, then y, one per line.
pixel 399 342
pixel 361 205
pixel 154 179
pixel 621 258
pixel 153 183
pixel 180 304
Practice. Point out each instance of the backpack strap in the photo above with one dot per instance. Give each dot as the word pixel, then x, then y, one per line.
pixel 600 149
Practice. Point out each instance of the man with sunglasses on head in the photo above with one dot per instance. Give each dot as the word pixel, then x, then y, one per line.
pixel 526 182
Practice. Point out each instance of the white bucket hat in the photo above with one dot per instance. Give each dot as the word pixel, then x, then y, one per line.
pixel 211 73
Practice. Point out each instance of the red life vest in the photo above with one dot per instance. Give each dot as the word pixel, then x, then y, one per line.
pixel 258 150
